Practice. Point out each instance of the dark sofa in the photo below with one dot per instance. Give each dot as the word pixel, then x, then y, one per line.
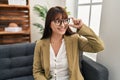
pixel 16 64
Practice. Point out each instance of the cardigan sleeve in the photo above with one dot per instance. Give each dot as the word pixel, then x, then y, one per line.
pixel 91 42
pixel 38 73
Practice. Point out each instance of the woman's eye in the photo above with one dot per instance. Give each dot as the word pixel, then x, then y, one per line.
pixel 66 20
pixel 59 21
pixel 55 21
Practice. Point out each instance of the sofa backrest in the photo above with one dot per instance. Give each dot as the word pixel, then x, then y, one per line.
pixel 16 60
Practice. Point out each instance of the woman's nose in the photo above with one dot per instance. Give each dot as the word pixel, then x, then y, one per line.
pixel 62 25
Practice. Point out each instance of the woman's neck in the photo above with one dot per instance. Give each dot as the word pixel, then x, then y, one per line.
pixel 56 38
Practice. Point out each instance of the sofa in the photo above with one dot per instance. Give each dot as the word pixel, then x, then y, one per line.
pixel 16 64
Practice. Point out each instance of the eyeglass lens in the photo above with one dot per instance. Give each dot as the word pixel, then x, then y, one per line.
pixel 59 22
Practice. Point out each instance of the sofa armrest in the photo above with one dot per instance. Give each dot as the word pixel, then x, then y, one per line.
pixel 92 70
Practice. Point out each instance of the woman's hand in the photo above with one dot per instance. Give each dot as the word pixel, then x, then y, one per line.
pixel 77 23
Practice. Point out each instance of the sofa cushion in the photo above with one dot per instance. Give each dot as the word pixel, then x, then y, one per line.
pixel 23 78
pixel 16 61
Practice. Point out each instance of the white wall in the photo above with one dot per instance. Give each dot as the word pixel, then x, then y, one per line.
pixel 35 35
pixel 71 7
pixel 110 33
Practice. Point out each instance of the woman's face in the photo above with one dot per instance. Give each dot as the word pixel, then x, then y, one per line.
pixel 59 25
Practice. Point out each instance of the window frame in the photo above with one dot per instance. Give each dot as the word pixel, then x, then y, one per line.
pixel 87 4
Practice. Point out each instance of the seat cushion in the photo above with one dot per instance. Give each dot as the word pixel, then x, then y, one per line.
pixel 16 61
pixel 23 78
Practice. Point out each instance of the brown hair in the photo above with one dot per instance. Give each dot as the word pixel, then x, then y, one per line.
pixel 51 15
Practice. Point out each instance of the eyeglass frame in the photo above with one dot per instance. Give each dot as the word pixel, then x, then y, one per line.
pixel 62 21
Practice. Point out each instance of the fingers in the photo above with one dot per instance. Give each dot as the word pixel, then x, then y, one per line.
pixel 77 23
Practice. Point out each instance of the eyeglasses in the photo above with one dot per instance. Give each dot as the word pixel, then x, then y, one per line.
pixel 59 22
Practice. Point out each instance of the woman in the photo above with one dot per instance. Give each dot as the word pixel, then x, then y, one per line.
pixel 56 54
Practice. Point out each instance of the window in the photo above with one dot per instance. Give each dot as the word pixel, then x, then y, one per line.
pixel 90 13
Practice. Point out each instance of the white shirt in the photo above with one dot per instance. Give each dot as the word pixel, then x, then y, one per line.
pixel 59 63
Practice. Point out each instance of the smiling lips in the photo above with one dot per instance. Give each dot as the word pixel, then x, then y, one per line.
pixel 62 28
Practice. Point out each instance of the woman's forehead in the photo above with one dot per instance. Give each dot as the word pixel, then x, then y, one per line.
pixel 60 16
